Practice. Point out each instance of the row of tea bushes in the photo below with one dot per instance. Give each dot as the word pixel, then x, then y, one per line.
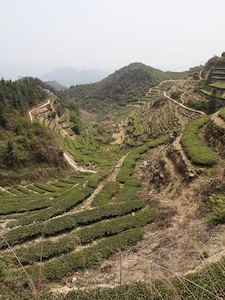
pixel 127 169
pixel 64 223
pixel 109 190
pixel 83 236
pixel 67 264
pixel 194 147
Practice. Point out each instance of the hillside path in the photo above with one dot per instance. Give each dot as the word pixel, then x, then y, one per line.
pixel 182 105
pixel 37 108
pixel 66 155
pixel 112 177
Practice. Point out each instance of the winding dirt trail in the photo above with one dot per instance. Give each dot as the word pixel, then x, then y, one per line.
pixel 36 109
pixel 183 106
pixel 112 177
pixel 119 136
pixel 74 165
pixel 66 155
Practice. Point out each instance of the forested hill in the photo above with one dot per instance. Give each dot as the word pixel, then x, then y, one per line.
pixel 19 96
pixel 123 86
pixel 24 146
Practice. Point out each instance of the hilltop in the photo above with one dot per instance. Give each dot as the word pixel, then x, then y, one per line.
pixel 122 87
pixel 141 212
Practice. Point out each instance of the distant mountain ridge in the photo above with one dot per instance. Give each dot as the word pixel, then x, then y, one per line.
pixel 71 76
pixel 57 86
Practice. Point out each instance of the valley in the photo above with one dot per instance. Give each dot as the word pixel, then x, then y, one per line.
pixel 140 214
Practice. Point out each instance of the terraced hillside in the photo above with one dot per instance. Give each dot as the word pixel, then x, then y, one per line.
pixel 140 217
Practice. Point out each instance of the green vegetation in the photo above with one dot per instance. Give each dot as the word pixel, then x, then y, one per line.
pixel 86 235
pixel 124 86
pixel 127 169
pixel 216 207
pixel 56 228
pixel 218 85
pixel 86 258
pixel 194 147
pixel 109 190
pixel 23 145
pixel 20 234
pixel 222 114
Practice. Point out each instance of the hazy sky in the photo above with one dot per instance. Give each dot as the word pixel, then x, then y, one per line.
pixel 109 34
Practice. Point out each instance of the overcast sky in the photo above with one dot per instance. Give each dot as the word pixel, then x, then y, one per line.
pixel 109 34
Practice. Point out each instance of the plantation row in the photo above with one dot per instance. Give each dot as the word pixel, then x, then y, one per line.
pixel 67 264
pixel 156 117
pixel 61 202
pixel 194 147
pixel 68 222
pixel 109 190
pixel 83 147
pixel 217 85
pixel 36 197
pixel 39 188
pixel 81 152
pixel 127 169
pixel 83 236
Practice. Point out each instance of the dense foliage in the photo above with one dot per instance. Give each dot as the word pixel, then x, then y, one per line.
pixel 16 97
pixel 22 143
pixel 194 147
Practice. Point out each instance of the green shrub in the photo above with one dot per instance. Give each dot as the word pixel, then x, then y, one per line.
pixel 91 256
pixel 134 183
pixel 46 187
pixel 127 169
pixel 216 205
pixel 195 149
pixel 21 234
pixel 48 249
pixel 109 190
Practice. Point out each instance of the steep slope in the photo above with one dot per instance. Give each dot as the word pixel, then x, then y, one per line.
pixel 24 145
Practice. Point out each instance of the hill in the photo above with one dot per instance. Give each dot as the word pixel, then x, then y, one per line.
pixel 24 145
pixel 142 213
pixel 123 86
pixel 206 91
pixel 71 76
pixel 56 86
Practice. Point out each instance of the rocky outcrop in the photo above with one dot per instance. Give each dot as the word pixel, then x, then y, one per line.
pixel 180 163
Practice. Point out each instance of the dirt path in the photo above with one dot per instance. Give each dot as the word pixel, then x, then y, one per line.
pixel 119 136
pixel 183 106
pixel 200 75
pixel 74 165
pixel 111 177
pixel 36 109
pixel 63 133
